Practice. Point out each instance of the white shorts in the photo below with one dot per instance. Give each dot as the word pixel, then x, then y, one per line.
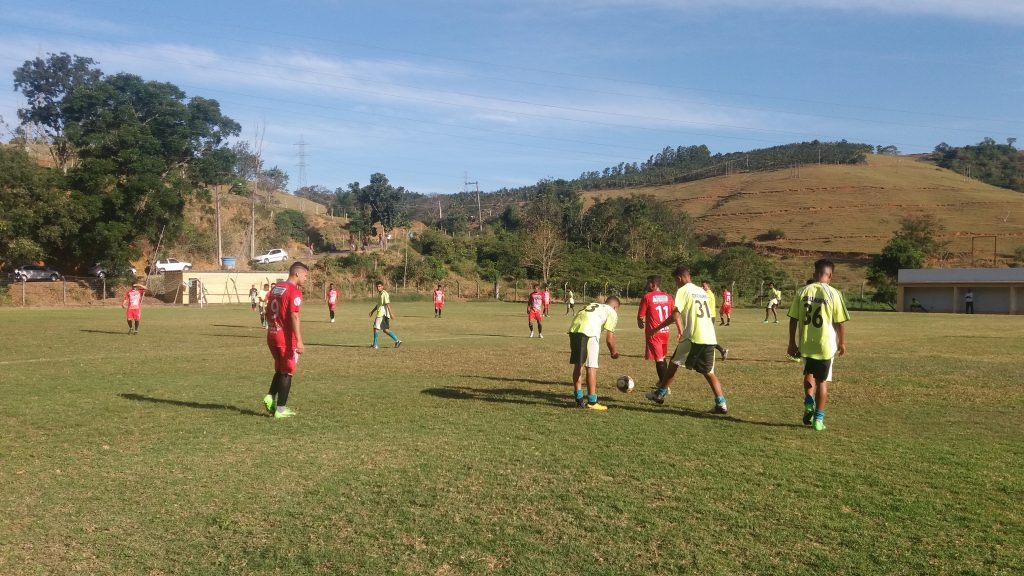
pixel 584 350
pixel 773 303
pixel 381 322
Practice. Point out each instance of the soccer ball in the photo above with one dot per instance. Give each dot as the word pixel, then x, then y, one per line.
pixel 625 384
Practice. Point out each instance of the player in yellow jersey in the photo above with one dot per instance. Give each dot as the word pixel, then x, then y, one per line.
pixel 817 333
pixel 774 299
pixel 584 346
pixel 696 348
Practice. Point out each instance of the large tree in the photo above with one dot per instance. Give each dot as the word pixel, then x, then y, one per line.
pixel 47 83
pixel 387 204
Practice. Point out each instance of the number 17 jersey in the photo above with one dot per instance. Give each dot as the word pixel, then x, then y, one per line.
pixel 655 307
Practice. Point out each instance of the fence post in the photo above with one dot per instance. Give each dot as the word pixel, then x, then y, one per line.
pixel 477 289
pixel 458 288
pixel 627 289
pixel 104 281
pixel 585 290
pixel 65 287
pixel 605 289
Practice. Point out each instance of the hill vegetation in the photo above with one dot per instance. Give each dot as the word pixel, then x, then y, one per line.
pixel 996 164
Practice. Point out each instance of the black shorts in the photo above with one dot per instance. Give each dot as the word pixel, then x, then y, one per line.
pixel 579 349
pixel 697 357
pixel 820 369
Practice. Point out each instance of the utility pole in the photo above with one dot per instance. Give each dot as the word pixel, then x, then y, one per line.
pixel 302 161
pixel 479 211
pixel 257 170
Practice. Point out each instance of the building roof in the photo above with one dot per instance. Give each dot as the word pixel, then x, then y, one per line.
pixel 961 276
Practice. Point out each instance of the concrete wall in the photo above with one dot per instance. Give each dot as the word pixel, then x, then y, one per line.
pixel 226 287
pixel 933 298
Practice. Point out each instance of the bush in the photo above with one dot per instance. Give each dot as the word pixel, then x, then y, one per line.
pixel 1018 255
pixel 771 234
pixel 714 239
pixel 291 224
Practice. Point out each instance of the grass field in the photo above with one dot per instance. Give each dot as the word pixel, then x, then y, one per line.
pixel 461 452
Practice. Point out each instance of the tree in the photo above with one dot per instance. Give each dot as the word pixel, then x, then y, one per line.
pixel 899 252
pixel 386 203
pixel 39 220
pixel 923 232
pixel 47 84
pixel 143 149
pixel 546 246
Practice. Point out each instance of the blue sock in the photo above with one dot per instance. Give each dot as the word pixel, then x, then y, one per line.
pixel 819 414
pixel 376 336
pixel 662 392
pixel 719 400
pixel 592 398
pixel 808 400
pixel 579 394
pixel 393 336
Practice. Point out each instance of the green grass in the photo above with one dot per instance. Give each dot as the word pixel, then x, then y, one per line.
pixel 460 453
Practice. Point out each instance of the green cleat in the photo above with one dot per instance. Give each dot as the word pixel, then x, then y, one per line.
pixel 808 414
pixel 819 425
pixel 268 403
pixel 285 413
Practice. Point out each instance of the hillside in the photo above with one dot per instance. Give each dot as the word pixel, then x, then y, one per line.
pixel 848 210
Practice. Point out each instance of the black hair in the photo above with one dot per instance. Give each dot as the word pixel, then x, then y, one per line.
pixel 681 270
pixel 654 279
pixel 296 267
pixel 821 265
pixel 610 299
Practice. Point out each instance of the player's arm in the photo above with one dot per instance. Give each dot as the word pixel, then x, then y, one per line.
pixel 612 349
pixel 387 308
pixel 124 303
pixel 840 338
pixel 793 349
pixel 641 314
pixel 300 347
pixel 674 318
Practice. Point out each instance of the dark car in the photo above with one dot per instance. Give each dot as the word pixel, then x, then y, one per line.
pixel 32 272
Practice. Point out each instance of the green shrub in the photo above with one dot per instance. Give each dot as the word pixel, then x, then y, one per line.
pixel 291 224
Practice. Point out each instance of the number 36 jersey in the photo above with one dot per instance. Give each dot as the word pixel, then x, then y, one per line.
pixel 816 309
pixel 693 306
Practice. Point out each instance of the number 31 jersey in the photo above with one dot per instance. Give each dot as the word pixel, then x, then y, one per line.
pixel 693 306
pixel 816 309
pixel 655 307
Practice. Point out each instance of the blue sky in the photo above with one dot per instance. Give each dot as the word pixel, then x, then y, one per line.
pixel 511 91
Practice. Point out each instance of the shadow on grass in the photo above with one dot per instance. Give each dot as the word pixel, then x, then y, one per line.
pixel 523 380
pixel 261 335
pixel 186 404
pixel 103 331
pixel 563 400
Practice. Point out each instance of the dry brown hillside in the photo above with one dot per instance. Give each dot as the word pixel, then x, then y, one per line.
pixel 851 210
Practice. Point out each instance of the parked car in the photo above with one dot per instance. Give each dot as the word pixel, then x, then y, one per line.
pixel 101 271
pixel 32 272
pixel 171 265
pixel 272 255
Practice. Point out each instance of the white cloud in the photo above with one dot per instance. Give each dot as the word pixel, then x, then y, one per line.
pixel 1006 11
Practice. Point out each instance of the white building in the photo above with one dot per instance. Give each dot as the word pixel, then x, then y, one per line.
pixel 996 290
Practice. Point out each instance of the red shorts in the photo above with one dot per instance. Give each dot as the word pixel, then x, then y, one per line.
pixel 285 357
pixel 331 306
pixel 657 346
pixel 135 314
pixel 726 308
pixel 438 305
pixel 535 315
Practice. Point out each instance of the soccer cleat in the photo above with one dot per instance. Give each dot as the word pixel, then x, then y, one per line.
pixel 286 413
pixel 794 358
pixel 374 346
pixel 597 406
pixel 808 414
pixel 819 425
pixel 720 409
pixel 765 322
pixel 653 396
pixel 398 344
pixel 531 333
pixel 776 321
pixel 581 402
pixel 268 403
pixel 332 320
pixel 541 335
pixel 725 354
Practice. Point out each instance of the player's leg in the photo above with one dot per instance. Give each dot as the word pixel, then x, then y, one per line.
pixel 275 385
pixel 376 332
pixel 716 388
pixel 540 328
pixel 767 309
pixel 284 387
pixel 821 398
pixel 774 314
pixel 577 384
pixel 529 322
pixel 809 404
pixel 136 325
pixel 660 366
pixel 658 394
pixel 723 351
pixel 130 329
pixel 386 326
pixel 593 349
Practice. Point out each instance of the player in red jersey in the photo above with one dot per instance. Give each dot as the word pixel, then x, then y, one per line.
pixel 655 307
pixel 438 301
pixel 332 299
pixel 535 310
pixel 284 337
pixel 133 302
pixel 547 300
pixel 726 311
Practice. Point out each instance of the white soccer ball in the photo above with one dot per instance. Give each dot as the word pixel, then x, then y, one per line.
pixel 625 384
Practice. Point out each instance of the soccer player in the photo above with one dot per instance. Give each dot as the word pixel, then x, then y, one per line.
pixel 585 344
pixel 570 303
pixel 655 307
pixel 775 297
pixel 438 301
pixel 726 318
pixel 547 300
pixel 133 303
pixel 254 296
pixel 535 310
pixel 713 306
pixel 262 298
pixel 696 348
pixel 332 299
pixel 284 337
pixel 817 333
pixel 383 315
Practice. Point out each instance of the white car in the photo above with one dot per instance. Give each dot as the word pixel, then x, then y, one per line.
pixel 171 265
pixel 273 255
